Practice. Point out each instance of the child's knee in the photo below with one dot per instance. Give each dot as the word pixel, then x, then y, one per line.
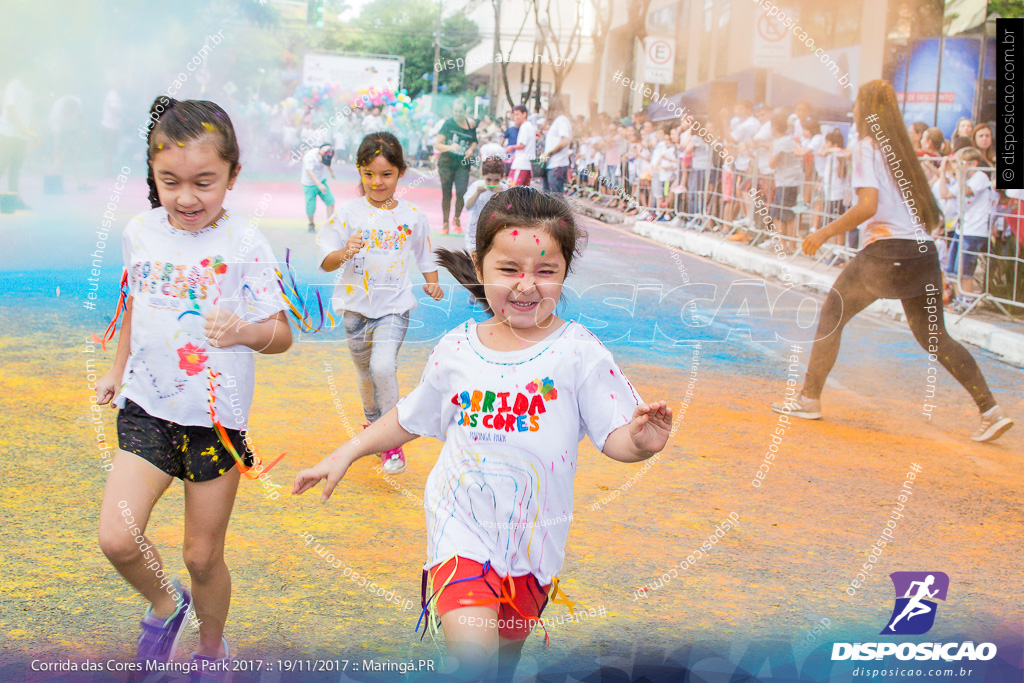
pixel 201 559
pixel 118 546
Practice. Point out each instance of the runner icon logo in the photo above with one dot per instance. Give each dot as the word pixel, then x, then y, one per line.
pixel 915 608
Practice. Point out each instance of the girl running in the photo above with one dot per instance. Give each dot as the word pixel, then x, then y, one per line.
pixel 370 239
pixel 511 398
pixel 202 297
pixel 898 260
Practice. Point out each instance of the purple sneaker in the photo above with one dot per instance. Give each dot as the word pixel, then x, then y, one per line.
pixel 211 669
pixel 158 642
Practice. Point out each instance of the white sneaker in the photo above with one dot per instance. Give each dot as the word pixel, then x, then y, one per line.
pixel 801 406
pixel 993 425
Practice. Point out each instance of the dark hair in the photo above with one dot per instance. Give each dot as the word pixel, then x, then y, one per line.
pixel 384 144
pixel 174 122
pixel 516 207
pixel 811 125
pixel 919 127
pixel 835 136
pixel 877 99
pixel 521 107
pixel 961 143
pixel 936 138
pixel 492 165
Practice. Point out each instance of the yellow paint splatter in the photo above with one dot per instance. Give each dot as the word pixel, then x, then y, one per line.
pixel 208 127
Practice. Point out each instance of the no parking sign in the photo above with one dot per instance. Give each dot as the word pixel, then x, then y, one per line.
pixel 659 59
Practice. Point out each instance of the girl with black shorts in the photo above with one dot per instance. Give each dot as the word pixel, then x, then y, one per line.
pixel 898 259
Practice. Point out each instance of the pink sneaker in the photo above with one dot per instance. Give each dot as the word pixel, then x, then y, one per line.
pixel 393 461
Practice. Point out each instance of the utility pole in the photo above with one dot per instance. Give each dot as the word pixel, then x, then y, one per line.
pixel 493 90
pixel 437 55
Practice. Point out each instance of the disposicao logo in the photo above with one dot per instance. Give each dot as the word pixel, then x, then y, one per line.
pixel 914 614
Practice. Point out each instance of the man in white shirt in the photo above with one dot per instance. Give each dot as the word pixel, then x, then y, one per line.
pixel 556 147
pixel 524 150
pixel 316 164
pixel 14 134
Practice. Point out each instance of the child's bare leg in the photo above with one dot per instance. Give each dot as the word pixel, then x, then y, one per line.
pixel 509 652
pixel 133 488
pixel 471 634
pixel 207 511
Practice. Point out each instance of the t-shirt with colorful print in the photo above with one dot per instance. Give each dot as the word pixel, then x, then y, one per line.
pixel 375 282
pixel 176 278
pixel 502 487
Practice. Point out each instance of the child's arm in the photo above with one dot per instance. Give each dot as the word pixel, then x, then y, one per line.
pixel 432 288
pixel 382 435
pixel 470 199
pixel 336 258
pixel 315 181
pixel 224 328
pixel 107 386
pixel 644 436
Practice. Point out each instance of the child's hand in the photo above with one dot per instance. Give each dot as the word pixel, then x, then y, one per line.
pixel 434 291
pixel 223 328
pixel 332 468
pixel 353 245
pixel 650 426
pixel 106 388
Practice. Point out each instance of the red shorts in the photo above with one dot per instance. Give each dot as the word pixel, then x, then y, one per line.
pixel 520 178
pixel 514 623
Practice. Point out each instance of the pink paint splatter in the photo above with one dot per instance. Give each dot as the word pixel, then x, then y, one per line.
pixel 514 233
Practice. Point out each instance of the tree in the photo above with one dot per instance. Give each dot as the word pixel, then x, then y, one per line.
pixel 1007 9
pixel 405 27
pixel 602 25
pixel 637 25
pixel 561 56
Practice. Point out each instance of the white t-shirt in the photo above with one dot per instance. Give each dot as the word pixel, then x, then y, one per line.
pixel 16 111
pixel 560 128
pixel 375 282
pixel 789 171
pixel 977 207
pixel 836 188
pixel 522 157
pixel 502 487
pixel 176 277
pixel 311 161
pixel 372 124
pixel 478 206
pixel 701 160
pixel 111 117
pixel 892 220
pixel 492 149
pixel 815 145
pixel 761 153
pixel 744 132
pixel 1015 194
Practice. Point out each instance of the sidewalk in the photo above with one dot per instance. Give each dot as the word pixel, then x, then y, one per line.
pixel 995 334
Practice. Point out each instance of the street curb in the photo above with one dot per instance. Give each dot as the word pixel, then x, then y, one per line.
pixel 1009 346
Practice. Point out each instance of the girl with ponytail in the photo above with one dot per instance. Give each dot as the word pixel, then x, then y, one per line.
pixel 898 259
pixel 202 297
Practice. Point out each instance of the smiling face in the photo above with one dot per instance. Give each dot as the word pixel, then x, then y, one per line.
pixel 191 181
pixel 379 178
pixel 522 274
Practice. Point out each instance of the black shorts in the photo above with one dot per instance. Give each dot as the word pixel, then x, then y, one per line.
pixel 894 269
pixel 186 452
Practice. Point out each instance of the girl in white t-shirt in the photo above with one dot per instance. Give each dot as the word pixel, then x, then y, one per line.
pixel 202 296
pixel 898 259
pixel 370 239
pixel 511 398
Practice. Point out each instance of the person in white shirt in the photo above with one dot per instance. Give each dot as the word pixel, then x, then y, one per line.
pixel 524 150
pixel 786 162
pixel 202 299
pixel 974 232
pixel 316 164
pixel 15 132
pixel 556 147
pixel 898 260
pixel 743 126
pixel 492 172
pixel 370 239
pixel 511 398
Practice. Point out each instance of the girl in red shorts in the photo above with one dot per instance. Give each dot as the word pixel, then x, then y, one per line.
pixel 511 398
